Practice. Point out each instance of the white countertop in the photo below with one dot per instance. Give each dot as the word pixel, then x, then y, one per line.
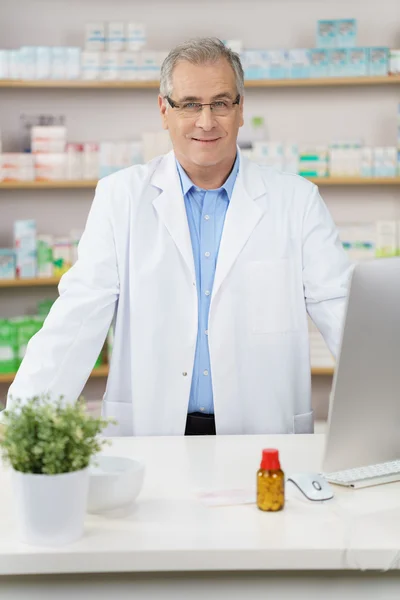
pixel 170 529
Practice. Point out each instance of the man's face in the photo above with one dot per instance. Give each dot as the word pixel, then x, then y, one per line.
pixel 203 139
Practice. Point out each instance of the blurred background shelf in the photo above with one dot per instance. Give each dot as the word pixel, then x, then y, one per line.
pixel 322 370
pixel 34 282
pixel 78 84
pixel 39 185
pixel 91 184
pixel 325 82
pixel 355 180
pixel 257 83
pixel 98 372
pixel 104 369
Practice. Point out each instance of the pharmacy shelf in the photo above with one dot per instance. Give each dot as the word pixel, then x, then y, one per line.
pixel 39 185
pixel 31 282
pixel 98 372
pixel 79 84
pixel 257 83
pixel 354 181
pixel 325 82
pixel 91 184
pixel 104 369
pixel 322 370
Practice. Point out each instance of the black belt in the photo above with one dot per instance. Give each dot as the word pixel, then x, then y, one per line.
pixel 200 424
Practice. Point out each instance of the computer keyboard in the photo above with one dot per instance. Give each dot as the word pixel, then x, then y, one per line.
pixel 366 476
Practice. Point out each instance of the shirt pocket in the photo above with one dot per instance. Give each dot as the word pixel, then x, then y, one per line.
pixel 270 296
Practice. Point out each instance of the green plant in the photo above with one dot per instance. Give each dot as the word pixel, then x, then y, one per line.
pixel 46 437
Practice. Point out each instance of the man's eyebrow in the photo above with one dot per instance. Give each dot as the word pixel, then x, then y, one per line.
pixel 222 95
pixel 190 99
pixel 197 99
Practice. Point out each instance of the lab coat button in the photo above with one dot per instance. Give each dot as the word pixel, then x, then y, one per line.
pixel 184 374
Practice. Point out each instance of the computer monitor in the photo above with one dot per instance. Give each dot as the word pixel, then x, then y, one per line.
pixel 364 412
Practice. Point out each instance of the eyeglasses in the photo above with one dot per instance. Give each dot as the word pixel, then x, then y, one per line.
pixel 219 108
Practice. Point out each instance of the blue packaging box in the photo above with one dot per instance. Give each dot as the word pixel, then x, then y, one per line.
pixel 319 62
pixel 326 34
pixel 346 33
pixel 358 61
pixel 378 61
pixel 7 263
pixel 278 64
pixel 338 62
pixel 299 63
pixel 253 66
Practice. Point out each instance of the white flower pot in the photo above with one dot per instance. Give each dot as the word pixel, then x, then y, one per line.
pixel 50 509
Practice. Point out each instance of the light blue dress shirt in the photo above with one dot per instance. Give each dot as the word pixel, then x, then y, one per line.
pixel 206 211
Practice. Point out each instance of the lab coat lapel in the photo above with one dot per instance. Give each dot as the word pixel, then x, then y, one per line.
pixel 170 207
pixel 242 216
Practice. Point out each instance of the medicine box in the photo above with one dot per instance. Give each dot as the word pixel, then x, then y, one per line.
pixel 378 61
pixel 346 33
pixel 326 34
pixel 25 248
pixel 319 62
pixel 7 263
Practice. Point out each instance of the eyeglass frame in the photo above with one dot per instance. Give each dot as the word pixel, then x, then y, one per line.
pixel 173 104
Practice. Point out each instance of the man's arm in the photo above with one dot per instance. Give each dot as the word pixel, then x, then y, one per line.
pixel 326 271
pixel 60 357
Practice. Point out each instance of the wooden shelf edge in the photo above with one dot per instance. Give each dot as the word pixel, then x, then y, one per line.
pixel 325 81
pixel 61 184
pixel 34 282
pixel 78 84
pixel 249 83
pixel 96 373
pixel 359 181
pixel 104 369
pixel 322 181
pixel 322 370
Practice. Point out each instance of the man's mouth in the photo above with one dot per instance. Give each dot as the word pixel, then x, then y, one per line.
pixel 203 141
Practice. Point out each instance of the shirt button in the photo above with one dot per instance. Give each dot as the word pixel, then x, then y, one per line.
pixel 207 217
pixel 207 254
pixel 206 332
pixel 205 372
pixel 207 292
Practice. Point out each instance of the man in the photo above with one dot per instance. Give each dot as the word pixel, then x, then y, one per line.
pixel 208 264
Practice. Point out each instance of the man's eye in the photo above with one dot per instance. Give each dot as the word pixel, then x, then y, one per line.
pixel 190 105
pixel 220 104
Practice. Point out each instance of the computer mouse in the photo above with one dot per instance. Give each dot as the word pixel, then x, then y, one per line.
pixel 313 486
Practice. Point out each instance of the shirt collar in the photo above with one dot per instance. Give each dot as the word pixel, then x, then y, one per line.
pixel 187 183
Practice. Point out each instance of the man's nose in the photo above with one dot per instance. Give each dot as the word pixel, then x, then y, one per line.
pixel 205 120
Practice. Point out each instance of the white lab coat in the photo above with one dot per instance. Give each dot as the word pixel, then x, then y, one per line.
pixel 279 257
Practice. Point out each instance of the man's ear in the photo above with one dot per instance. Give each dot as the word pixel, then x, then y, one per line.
pixel 163 112
pixel 241 112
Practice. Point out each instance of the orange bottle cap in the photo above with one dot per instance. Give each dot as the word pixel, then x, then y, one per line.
pixel 270 460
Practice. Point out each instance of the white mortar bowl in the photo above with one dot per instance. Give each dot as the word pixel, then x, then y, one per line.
pixel 114 481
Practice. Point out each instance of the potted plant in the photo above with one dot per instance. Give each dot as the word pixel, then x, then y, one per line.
pixel 49 446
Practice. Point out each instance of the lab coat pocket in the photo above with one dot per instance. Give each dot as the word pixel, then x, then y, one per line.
pixel 304 423
pixel 122 413
pixel 270 299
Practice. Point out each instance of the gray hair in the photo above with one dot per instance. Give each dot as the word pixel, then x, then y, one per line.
pixel 200 51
